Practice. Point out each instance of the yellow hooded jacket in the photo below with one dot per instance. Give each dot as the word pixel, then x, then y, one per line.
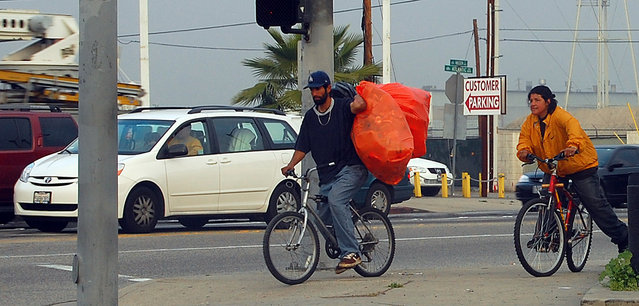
pixel 562 131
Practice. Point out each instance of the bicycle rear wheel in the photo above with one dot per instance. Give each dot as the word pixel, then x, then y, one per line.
pixel 539 238
pixel 579 240
pixel 291 250
pixel 376 239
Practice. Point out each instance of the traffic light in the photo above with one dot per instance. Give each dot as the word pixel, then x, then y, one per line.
pixel 283 13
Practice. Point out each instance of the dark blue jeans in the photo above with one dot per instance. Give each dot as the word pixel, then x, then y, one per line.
pixel 592 197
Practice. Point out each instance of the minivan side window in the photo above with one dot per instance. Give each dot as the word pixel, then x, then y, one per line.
pixel 281 134
pixel 16 134
pixel 58 131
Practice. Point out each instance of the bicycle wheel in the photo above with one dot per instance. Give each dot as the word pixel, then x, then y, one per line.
pixel 376 239
pixel 291 250
pixel 579 240
pixel 539 238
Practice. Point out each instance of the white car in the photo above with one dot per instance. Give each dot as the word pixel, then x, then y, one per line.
pixel 227 166
pixel 430 175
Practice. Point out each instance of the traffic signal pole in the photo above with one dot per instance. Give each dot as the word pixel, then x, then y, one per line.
pixel 95 267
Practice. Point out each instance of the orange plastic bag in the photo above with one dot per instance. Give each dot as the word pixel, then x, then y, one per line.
pixel 381 135
pixel 415 103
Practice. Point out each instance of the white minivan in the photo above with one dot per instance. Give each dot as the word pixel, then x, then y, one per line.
pixel 190 164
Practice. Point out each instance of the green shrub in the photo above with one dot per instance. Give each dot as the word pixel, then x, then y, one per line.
pixel 619 275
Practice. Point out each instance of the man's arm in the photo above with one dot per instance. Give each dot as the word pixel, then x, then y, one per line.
pixel 358 105
pixel 297 157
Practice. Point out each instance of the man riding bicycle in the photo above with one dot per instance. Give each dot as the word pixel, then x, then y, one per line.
pixel 326 133
pixel 549 130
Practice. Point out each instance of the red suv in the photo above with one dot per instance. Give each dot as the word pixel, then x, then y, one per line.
pixel 26 134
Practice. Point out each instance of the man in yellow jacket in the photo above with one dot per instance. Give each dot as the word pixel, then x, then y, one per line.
pixel 550 130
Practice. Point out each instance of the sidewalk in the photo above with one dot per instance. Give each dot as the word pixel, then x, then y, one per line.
pixel 508 285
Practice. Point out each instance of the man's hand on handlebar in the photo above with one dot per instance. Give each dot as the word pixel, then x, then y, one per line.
pixel 288 170
pixel 523 155
pixel 569 151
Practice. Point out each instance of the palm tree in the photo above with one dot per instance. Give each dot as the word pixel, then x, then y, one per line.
pixel 277 71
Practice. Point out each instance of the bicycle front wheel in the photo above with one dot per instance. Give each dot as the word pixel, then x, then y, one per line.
pixel 291 248
pixel 376 239
pixel 539 238
pixel 579 239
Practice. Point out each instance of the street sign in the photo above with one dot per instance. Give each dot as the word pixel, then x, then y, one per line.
pixel 456 62
pixel 454 90
pixel 484 96
pixel 454 124
pixel 460 69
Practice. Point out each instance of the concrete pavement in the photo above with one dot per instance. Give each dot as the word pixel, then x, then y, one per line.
pixel 508 285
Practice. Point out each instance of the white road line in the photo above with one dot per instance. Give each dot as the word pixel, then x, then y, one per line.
pixel 69 268
pixel 254 246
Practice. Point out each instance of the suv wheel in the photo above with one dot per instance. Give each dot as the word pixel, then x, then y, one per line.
pixel 430 191
pixel 140 211
pixel 379 197
pixel 47 226
pixel 285 197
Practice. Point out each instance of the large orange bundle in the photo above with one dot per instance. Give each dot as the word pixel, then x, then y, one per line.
pixel 415 103
pixel 381 135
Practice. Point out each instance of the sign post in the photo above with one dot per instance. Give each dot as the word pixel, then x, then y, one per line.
pixel 454 92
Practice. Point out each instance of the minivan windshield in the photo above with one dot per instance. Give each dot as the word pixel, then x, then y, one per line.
pixel 135 136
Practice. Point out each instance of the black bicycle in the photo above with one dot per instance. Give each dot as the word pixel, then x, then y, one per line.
pixel 291 244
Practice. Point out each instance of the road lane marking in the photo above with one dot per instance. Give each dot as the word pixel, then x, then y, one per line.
pixel 70 269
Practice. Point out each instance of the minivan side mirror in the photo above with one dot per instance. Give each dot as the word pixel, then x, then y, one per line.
pixel 178 150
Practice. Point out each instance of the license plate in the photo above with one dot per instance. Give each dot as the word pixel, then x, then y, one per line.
pixel 42 197
pixel 535 189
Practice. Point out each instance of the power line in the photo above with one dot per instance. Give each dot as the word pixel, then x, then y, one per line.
pixel 620 41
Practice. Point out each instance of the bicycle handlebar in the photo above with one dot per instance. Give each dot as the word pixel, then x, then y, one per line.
pixel 550 162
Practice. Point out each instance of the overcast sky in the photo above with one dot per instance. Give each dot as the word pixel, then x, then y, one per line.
pixel 194 67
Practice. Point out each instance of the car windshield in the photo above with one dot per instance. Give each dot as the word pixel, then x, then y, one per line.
pixel 604 155
pixel 134 136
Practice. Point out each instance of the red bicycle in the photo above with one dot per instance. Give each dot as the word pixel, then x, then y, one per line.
pixel 552 227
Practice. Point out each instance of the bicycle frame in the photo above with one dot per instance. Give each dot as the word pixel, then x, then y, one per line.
pixel 305 209
pixel 554 188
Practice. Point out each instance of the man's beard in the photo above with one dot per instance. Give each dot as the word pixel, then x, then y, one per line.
pixel 320 100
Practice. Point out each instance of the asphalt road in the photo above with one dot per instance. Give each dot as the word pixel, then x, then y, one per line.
pixel 35 267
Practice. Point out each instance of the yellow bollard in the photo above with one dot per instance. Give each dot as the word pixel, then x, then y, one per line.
pixel 465 185
pixel 480 183
pixel 418 185
pixel 500 185
pixel 444 186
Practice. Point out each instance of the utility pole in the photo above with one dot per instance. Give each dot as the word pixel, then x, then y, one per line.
pixel 386 49
pixel 144 53
pixel 368 34
pixel 317 52
pixel 95 267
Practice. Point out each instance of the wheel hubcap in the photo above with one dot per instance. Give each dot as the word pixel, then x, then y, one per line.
pixel 286 202
pixel 379 201
pixel 143 210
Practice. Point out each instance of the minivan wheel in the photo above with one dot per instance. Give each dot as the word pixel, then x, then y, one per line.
pixel 47 226
pixel 379 197
pixel 285 197
pixel 6 217
pixel 140 211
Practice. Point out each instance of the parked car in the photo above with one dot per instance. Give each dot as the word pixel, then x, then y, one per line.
pixel 234 172
pixel 380 195
pixel 430 175
pixel 26 134
pixel 616 162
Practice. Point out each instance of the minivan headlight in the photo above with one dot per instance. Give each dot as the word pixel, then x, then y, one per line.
pixel 24 177
pixel 120 168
